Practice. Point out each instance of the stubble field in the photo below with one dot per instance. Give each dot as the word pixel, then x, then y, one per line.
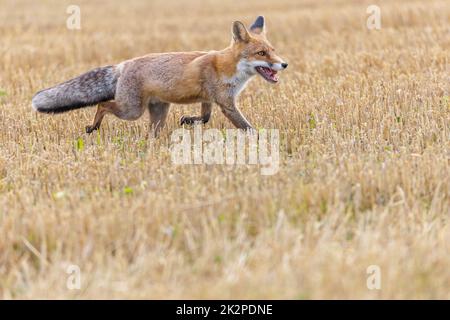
pixel 364 179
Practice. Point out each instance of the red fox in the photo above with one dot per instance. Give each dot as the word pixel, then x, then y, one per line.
pixel 156 80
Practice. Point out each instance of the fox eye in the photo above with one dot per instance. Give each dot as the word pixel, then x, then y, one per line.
pixel 261 53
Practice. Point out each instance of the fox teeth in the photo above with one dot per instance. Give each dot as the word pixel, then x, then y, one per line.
pixel 268 73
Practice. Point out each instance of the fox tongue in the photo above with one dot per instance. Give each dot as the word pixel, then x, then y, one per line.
pixel 268 73
pixel 273 75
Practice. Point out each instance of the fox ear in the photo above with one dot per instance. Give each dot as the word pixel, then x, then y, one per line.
pixel 258 26
pixel 240 32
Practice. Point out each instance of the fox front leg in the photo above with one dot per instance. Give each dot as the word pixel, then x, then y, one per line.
pixel 204 118
pixel 232 112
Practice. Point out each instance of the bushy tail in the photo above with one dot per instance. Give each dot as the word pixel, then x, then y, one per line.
pixel 90 88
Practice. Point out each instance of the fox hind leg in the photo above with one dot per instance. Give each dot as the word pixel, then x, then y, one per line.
pixel 127 105
pixel 116 109
pixel 204 118
pixel 158 115
pixel 102 109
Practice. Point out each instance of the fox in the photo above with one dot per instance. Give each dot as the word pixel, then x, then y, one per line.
pixel 157 80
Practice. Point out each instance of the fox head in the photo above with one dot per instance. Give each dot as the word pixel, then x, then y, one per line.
pixel 255 53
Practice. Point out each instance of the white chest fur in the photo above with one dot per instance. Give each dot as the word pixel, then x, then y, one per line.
pixel 244 72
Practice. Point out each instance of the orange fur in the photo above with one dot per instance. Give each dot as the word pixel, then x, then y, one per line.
pixel 156 80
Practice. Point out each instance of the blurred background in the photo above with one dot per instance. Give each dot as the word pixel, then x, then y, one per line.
pixel 364 180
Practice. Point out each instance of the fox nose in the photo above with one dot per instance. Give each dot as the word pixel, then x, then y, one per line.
pixel 284 65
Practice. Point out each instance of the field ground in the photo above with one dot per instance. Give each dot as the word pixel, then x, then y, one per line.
pixel 364 117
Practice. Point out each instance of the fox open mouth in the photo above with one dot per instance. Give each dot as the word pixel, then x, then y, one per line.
pixel 268 74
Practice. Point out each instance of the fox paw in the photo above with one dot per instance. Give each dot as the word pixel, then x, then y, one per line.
pixel 190 120
pixel 90 129
pixel 186 120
